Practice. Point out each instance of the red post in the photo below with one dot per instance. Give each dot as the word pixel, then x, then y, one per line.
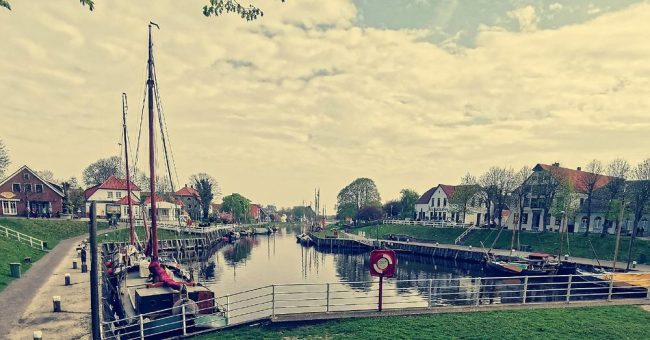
pixel 381 290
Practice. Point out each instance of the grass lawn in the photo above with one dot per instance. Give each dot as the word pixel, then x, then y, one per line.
pixel 122 235
pixel 543 242
pixel 50 231
pixel 616 322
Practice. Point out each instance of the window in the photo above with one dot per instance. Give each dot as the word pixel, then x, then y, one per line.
pixel 438 201
pixel 515 218
pixel 15 187
pixel 524 218
pixel 598 224
pixel 444 202
pixel 28 187
pixel 444 216
pixel 118 194
pixel 558 220
pixel 582 201
pixel 110 194
pixel 39 187
pixel 9 208
pixel 26 175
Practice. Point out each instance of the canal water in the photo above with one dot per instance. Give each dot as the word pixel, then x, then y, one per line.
pixel 307 279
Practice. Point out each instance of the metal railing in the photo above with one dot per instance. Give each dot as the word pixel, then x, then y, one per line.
pixel 462 236
pixel 299 301
pixel 22 238
pixel 435 224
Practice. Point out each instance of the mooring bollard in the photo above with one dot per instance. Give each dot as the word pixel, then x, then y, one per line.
pixel 56 303
pixel 633 264
pixel 67 279
pixel 74 264
pixel 566 257
pixel 84 268
pixel 38 335
pixel 470 247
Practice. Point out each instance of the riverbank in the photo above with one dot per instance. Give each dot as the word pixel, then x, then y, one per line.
pixel 547 242
pixel 51 231
pixel 615 322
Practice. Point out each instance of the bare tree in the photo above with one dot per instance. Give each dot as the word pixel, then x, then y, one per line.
pixel 618 169
pixel 97 172
pixel 588 182
pixel 546 189
pixel 463 195
pixel 520 194
pixel 497 183
pixel 639 199
pixel 4 158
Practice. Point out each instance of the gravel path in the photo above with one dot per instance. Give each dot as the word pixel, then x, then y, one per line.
pixel 42 278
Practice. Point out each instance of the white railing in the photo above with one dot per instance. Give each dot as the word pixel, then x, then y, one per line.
pixel 294 300
pixel 22 238
pixel 464 234
pixel 435 224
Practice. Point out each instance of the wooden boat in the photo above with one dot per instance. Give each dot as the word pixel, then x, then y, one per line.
pixel 630 281
pixel 535 264
pixel 262 231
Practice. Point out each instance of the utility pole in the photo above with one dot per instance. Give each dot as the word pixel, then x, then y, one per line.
pixel 94 281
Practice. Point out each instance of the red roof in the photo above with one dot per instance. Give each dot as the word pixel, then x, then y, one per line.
pixel 188 192
pixel 448 189
pixel 124 200
pixel 147 201
pixel 111 183
pixel 426 197
pixel 577 178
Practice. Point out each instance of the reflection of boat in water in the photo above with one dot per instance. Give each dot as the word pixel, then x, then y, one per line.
pixel 630 281
pixel 304 239
pixel 534 264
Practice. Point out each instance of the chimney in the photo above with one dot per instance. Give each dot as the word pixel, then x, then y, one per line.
pixel 578 168
pixel 556 164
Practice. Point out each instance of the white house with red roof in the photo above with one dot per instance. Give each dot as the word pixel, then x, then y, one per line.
pixel 434 205
pixel 110 197
pixel 169 210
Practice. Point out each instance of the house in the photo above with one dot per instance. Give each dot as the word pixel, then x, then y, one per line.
pixel 434 205
pixel 191 200
pixel 107 195
pixel 168 210
pixel 124 207
pixel 255 212
pixel 25 193
pixel 543 185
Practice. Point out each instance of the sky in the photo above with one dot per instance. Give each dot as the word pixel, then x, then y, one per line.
pixel 318 93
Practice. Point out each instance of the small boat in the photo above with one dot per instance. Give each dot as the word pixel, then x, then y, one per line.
pixel 630 281
pixel 262 231
pixel 305 240
pixel 534 265
pixel 275 228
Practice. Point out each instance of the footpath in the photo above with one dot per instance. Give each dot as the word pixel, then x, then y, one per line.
pixel 26 304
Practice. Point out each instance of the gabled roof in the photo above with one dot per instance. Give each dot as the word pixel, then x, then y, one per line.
pixel 448 189
pixel 188 192
pixel 426 197
pixel 124 200
pixel 577 178
pixel 147 201
pixel 57 189
pixel 111 183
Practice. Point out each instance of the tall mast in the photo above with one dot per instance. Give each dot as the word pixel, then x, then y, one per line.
pixel 152 166
pixel 128 175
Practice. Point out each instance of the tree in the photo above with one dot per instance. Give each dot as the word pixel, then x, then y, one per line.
pixel 208 189
pixel 519 196
pixel 464 194
pixel 639 192
pixel 392 208
pixel 163 185
pixel 497 183
pixel 565 205
pixel 238 205
pixel 618 169
pixel 369 213
pixel 4 158
pixel 97 172
pixel 588 182
pixel 361 193
pixel 545 187
pixel 407 199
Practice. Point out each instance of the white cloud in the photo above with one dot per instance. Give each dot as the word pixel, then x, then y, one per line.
pixel 304 98
pixel 526 18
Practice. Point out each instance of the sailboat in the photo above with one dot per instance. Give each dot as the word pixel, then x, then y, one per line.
pixel 160 292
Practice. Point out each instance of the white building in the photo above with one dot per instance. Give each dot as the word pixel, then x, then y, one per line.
pixel 168 210
pixel 108 196
pixel 434 205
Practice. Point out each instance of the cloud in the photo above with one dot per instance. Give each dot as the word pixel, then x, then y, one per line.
pixel 526 18
pixel 305 98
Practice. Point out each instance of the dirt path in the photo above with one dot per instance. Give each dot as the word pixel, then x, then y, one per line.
pixel 26 304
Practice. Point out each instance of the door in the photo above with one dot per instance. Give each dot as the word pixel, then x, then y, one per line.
pixel 478 219
pixel 536 218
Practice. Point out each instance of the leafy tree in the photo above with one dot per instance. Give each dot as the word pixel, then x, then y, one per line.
pixel 4 158
pixel 464 194
pixel 370 213
pixel 618 169
pixel 639 193
pixel 588 182
pixel 497 183
pixel 408 197
pixel 208 189
pixel 565 205
pixel 238 205
pixel 393 208
pixel 97 172
pixel 361 193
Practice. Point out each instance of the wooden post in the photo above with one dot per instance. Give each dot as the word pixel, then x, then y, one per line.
pixel 74 264
pixel 327 308
pixel 67 279
pixel 38 335
pixel 56 304
pixel 525 295
pixel 568 289
pixel 429 295
pixel 94 277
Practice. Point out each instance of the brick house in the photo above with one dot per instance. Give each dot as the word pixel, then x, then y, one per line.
pixel 191 201
pixel 25 192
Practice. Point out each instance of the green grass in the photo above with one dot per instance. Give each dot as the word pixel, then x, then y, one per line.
pixel 329 233
pixel 616 322
pixel 442 235
pixel 122 235
pixel 542 242
pixel 50 231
